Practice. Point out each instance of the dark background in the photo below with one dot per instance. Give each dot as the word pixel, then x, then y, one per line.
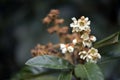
pixel 21 27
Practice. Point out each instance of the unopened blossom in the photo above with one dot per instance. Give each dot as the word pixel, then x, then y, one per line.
pixel 93 38
pixel 74 41
pixel 64 50
pixel 62 46
pixel 70 49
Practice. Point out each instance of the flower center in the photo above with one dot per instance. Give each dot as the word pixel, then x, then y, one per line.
pixel 82 23
pixel 92 51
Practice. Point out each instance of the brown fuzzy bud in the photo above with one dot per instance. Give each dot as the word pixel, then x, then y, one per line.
pixel 46 20
pixel 54 11
pixel 63 30
pixel 59 21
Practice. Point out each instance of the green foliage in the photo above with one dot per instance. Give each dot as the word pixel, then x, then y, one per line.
pixel 109 59
pixel 89 70
pixel 65 75
pixel 112 39
pixel 28 73
pixel 48 61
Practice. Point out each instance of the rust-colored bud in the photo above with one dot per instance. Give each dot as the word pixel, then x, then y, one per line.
pixel 54 11
pixel 46 20
pixel 59 21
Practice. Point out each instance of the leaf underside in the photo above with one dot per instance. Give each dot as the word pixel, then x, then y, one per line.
pixel 48 61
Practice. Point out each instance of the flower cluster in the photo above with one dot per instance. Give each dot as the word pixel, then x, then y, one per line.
pixel 83 43
pixel 78 46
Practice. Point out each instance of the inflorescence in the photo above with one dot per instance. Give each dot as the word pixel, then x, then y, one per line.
pixel 84 41
pixel 76 47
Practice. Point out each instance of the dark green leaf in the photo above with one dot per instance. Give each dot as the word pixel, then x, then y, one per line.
pixel 112 39
pixel 27 73
pixel 65 76
pixel 89 70
pixel 109 59
pixel 48 61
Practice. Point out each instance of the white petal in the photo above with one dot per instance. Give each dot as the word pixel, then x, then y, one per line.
pixel 74 19
pixel 93 61
pixel 81 56
pixel 72 25
pixel 64 50
pixel 89 44
pixel 99 56
pixel 79 53
pixel 84 52
pixel 93 38
pixel 88 23
pixel 86 18
pixel 84 57
pixel 87 60
pixel 86 43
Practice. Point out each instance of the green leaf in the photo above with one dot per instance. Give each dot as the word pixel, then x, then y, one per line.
pixel 89 70
pixel 109 59
pixel 65 75
pixel 112 39
pixel 29 73
pixel 48 61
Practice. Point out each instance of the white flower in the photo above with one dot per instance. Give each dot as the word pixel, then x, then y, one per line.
pixel 70 49
pixel 62 46
pixel 75 25
pixel 93 38
pixel 80 24
pixel 92 51
pixel 83 23
pixel 87 43
pixel 93 55
pixel 85 36
pixel 74 41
